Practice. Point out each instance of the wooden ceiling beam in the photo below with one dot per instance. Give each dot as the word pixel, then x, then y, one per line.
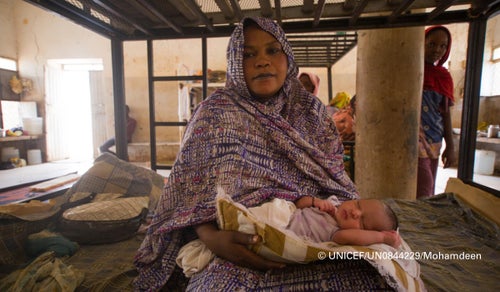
pixel 265 8
pixel 277 9
pixel 308 6
pixel 159 15
pixel 318 12
pixel 237 9
pixel 191 10
pixel 225 8
pixel 403 6
pixel 357 11
pixel 112 10
pixel 440 8
pixel 349 4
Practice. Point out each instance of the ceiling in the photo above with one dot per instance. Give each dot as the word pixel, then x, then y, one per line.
pixel 321 31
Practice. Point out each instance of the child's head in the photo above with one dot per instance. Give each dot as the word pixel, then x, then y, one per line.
pixel 437 45
pixel 368 214
pixel 310 82
pixel 306 82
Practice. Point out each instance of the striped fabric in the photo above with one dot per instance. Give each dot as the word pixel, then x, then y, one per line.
pixel 282 245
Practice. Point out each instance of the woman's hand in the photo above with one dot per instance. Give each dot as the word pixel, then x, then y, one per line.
pixel 232 246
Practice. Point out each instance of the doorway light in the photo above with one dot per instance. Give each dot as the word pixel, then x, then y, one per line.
pixel 8 64
pixel 83 67
pixel 495 55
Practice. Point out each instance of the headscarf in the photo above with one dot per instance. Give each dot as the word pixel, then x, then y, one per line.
pixel 314 80
pixel 436 77
pixel 341 100
pixel 286 147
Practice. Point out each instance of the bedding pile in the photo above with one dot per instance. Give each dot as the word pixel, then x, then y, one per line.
pixel 107 205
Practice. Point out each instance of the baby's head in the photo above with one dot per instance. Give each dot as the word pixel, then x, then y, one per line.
pixel 367 214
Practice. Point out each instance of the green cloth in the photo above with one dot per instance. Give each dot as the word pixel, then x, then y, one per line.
pixel 57 243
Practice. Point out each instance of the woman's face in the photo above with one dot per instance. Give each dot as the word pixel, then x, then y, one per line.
pixel 264 63
pixel 436 44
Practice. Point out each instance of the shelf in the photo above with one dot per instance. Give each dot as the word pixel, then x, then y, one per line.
pixel 20 138
pixel 493 141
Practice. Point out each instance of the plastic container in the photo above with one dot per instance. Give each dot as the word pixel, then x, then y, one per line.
pixel 34 126
pixel 493 131
pixel 34 156
pixel 8 153
pixel 484 162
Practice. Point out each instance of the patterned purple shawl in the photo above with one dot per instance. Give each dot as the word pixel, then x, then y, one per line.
pixel 285 148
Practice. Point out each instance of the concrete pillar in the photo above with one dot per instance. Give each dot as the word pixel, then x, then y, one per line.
pixel 388 97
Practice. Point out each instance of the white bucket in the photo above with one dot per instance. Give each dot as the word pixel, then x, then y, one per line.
pixel 34 156
pixel 484 162
pixel 8 153
pixel 34 126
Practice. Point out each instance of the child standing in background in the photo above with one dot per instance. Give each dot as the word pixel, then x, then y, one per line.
pixel 435 119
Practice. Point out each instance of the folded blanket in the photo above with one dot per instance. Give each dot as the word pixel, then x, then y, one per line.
pixel 279 244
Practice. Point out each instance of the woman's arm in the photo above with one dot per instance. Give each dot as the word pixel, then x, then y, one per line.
pixel 232 246
pixel 366 237
pixel 449 157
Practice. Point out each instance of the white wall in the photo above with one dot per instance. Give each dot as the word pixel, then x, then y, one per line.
pixel 33 36
pixel 344 73
pixel 492 41
pixel 8 44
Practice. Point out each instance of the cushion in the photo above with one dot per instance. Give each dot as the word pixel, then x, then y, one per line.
pixel 104 221
pixel 109 202
pixel 110 174
pixel 283 245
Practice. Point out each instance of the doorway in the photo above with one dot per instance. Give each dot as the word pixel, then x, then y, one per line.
pixel 69 122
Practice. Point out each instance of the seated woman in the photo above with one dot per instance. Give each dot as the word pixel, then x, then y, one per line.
pixel 261 137
pixel 345 121
pixel 339 102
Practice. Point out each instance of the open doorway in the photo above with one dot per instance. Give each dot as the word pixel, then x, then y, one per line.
pixel 69 126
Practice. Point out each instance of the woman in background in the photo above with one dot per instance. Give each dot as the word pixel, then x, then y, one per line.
pixel 435 119
pixel 310 82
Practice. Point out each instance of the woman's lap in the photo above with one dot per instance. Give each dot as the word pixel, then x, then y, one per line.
pixel 334 275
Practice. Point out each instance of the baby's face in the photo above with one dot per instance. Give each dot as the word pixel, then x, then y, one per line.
pixel 362 214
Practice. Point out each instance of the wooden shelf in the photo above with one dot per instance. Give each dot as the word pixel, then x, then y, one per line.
pixel 25 143
pixel 20 138
pixel 492 141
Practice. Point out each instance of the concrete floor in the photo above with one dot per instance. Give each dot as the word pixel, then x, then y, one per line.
pixel 443 175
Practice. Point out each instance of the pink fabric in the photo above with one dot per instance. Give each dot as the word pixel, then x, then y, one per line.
pixel 313 224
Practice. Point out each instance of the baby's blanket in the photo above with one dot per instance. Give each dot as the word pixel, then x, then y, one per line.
pixel 397 266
